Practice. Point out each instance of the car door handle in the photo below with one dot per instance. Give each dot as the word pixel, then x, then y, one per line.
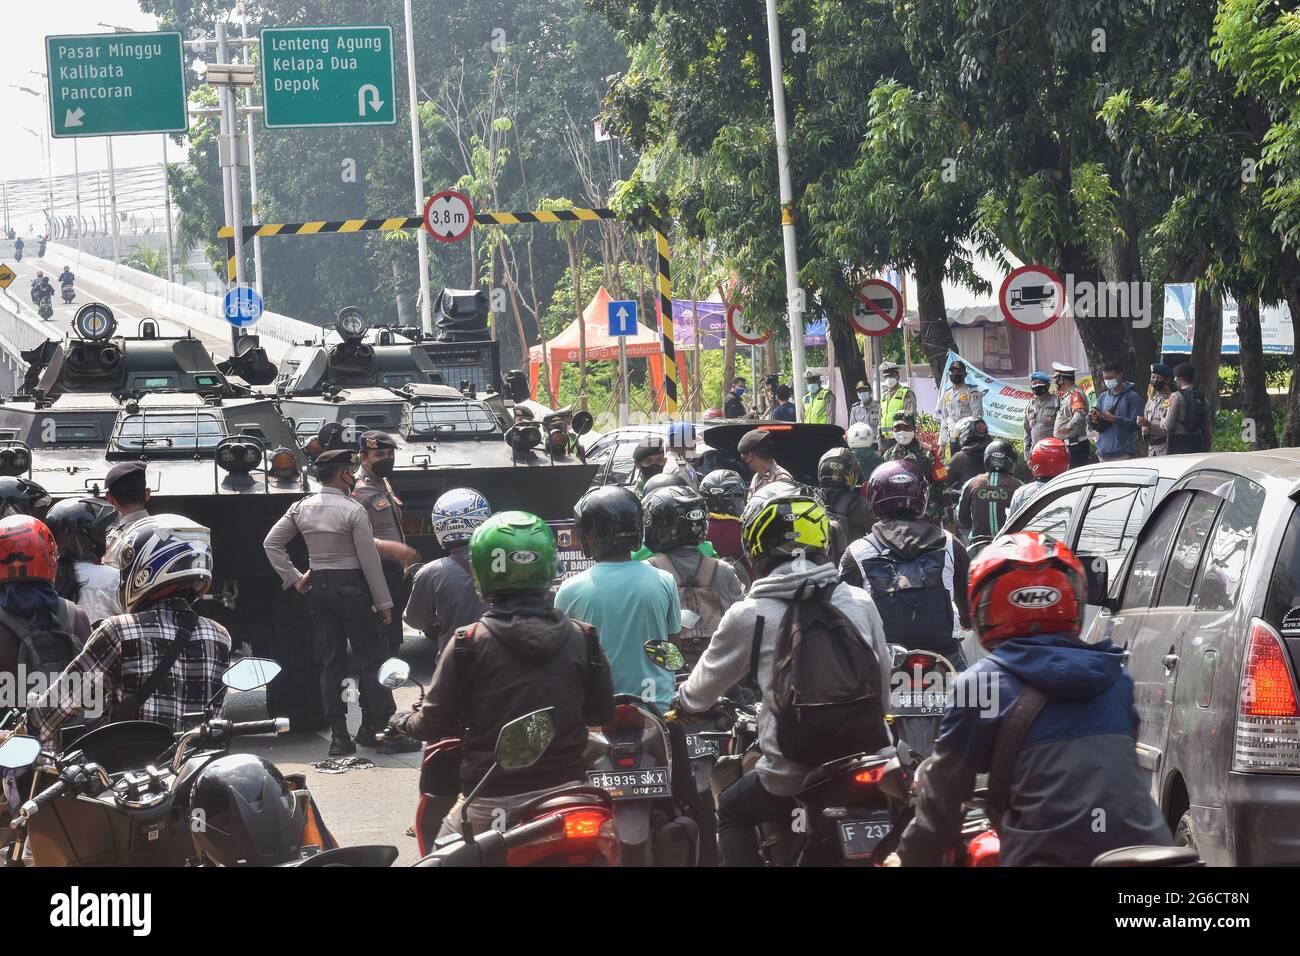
pixel 1170 661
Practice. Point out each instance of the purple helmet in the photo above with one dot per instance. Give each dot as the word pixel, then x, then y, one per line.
pixel 897 490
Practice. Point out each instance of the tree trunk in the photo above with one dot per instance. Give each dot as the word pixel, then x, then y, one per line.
pixel 848 357
pixel 1289 274
pixel 1255 405
pixel 936 337
pixel 1207 347
pixel 728 354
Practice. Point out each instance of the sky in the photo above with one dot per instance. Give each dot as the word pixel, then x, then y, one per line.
pixel 22 50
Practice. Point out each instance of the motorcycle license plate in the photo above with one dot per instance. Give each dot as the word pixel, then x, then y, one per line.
pixel 858 838
pixel 921 704
pixel 631 784
pixel 703 745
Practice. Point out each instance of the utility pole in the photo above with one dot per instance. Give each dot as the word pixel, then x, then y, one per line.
pixel 167 211
pixel 794 307
pixel 112 196
pixel 426 307
pixel 76 178
pixel 252 156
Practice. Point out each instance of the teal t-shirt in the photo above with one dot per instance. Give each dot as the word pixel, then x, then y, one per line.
pixel 629 603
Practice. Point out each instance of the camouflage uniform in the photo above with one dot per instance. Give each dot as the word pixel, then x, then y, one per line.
pixel 926 462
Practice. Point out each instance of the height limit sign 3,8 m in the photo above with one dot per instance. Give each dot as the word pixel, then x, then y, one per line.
pixel 328 76
pixel 116 84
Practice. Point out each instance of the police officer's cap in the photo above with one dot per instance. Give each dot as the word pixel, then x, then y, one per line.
pixel 1160 368
pixel 757 440
pixel 339 458
pixel 1040 377
pixel 958 363
pixel 904 418
pixel 375 439
pixel 813 377
pixel 1060 368
pixel 124 471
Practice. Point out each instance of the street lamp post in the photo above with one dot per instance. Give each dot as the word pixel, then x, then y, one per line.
pixel 426 307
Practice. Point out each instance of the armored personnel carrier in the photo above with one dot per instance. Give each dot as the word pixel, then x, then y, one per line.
pixel 446 436
pixel 217 452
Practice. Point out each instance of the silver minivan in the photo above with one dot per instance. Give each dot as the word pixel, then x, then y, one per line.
pixel 1207 605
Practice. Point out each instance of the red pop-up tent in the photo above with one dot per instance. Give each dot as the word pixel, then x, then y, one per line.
pixel 601 346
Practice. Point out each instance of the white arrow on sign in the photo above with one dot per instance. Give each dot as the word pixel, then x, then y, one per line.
pixel 376 104
pixel 622 314
pixel 73 117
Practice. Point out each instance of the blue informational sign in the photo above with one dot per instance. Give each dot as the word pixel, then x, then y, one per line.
pixel 243 306
pixel 622 317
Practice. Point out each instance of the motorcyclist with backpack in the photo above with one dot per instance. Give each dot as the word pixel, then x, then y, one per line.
pixel 973 436
pixel 81 526
pixel 628 601
pixel 158 661
pixel 1059 744
pixel 985 500
pixel 1048 458
pixel 40 632
pixel 443 597
pixel 676 522
pixel 522 655
pixel 841 667
pixel 915 571
pixel 839 489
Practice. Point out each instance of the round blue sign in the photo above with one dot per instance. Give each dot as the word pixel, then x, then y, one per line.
pixel 243 306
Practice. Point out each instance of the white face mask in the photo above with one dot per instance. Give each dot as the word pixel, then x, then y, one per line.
pixel 904 438
pixel 891 381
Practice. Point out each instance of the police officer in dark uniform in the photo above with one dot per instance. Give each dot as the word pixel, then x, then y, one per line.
pixel 385 511
pixel 346 594
pixel 126 488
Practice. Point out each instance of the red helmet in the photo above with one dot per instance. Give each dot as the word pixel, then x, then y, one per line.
pixel 1049 458
pixel 27 550
pixel 1026 583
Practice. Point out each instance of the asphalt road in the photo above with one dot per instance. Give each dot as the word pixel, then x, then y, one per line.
pixel 371 806
pixel 128 313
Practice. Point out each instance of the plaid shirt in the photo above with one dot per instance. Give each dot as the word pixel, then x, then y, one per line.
pixel 119 657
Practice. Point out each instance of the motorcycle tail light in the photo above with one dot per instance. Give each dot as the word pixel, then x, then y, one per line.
pixel 584 824
pixel 870 774
pixel 627 715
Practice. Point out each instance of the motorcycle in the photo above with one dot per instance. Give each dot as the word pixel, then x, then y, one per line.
pixel 919 689
pixel 45 308
pixel 69 292
pixel 123 793
pixel 567 826
pixel 637 758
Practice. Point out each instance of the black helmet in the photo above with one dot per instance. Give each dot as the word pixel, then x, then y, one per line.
pixel 972 431
pixel 244 814
pixel 22 496
pixel 1000 455
pixel 80 526
pixel 608 520
pixel 675 480
pixel 724 492
pixel 839 468
pixel 674 517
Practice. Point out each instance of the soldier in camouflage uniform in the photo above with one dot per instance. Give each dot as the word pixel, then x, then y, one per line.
pixel 908 447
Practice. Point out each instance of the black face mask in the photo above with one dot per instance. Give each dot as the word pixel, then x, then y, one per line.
pixel 1159 384
pixel 957 379
pixel 1040 389
pixel 649 471
pixel 383 468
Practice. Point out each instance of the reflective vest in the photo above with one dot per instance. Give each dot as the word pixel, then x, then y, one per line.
pixel 896 402
pixel 816 408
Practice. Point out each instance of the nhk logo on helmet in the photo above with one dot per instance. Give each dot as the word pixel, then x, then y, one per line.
pixel 1031 598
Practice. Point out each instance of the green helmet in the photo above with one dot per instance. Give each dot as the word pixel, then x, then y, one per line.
pixel 512 551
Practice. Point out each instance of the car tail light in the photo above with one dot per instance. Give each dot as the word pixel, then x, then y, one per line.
pixel 870 774
pixel 1268 716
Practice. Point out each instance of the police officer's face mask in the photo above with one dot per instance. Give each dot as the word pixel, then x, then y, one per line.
pixel 1041 388
pixel 891 381
pixel 956 377
pixel 864 396
pixel 382 468
pixel 649 471
pixel 1159 384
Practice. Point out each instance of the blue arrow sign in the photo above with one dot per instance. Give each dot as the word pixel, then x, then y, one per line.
pixel 622 317
pixel 243 306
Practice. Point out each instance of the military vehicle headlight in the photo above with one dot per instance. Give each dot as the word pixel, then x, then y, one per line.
pixel 284 464
pixel 15 461
pixel 524 436
pixel 558 441
pixel 239 457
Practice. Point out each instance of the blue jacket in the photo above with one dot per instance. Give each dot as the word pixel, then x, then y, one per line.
pixel 1120 437
pixel 1076 790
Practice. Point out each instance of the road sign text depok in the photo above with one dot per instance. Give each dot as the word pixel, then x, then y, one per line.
pixel 328 76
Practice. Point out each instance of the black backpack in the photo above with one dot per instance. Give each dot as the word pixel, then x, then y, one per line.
pixel 914 604
pixel 45 647
pixel 826 697
pixel 1194 412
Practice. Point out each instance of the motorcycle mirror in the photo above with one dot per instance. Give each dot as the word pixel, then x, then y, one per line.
pixel 665 654
pixel 523 741
pixel 18 753
pixel 582 423
pixel 250 673
pixel 898 654
pixel 394 672
pixel 689 619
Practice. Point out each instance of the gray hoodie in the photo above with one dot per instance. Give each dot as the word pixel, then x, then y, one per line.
pixel 727 658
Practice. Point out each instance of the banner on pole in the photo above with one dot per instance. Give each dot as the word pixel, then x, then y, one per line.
pixel 1004 402
pixel 1180 312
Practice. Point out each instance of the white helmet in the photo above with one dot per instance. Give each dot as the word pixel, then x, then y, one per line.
pixel 681 435
pixel 861 436
pixel 457 514
pixel 163 556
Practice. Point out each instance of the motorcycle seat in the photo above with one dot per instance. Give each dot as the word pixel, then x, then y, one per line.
pixel 1149 856
pixel 579 795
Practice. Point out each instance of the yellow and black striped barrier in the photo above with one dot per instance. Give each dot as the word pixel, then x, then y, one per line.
pixel 533 217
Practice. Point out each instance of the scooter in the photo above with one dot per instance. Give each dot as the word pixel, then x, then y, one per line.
pixel 69 292
pixel 567 826
pixel 122 792
pixel 919 690
pixel 45 308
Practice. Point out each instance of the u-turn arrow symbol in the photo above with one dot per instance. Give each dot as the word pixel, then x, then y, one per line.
pixel 376 104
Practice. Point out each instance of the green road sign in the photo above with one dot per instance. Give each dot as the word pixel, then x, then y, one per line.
pixel 328 76
pixel 115 84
